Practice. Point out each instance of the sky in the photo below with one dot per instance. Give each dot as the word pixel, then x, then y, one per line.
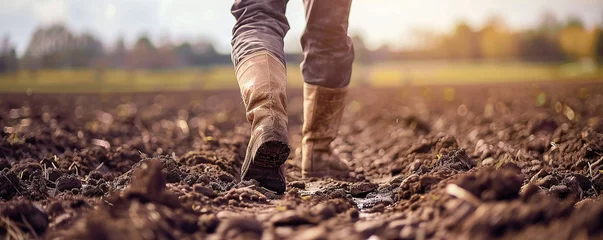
pixel 392 22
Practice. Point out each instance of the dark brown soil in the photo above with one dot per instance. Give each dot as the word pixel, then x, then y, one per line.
pixel 516 161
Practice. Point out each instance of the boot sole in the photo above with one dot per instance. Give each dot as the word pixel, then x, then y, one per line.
pixel 266 165
pixel 271 154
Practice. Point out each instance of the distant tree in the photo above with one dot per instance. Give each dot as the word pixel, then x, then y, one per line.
pixel 497 41
pixel 538 46
pixel 574 21
pixel 204 47
pixel 167 56
pixel 541 43
pixel 86 49
pixel 184 51
pixel 165 40
pixel 143 54
pixel 576 41
pixel 424 44
pixel 462 44
pixel 56 46
pixel 549 24
pixel 598 46
pixel 362 54
pixel 49 47
pixel 204 53
pixel 119 53
pixel 363 57
pixel 383 53
pixel 8 56
pixel 144 42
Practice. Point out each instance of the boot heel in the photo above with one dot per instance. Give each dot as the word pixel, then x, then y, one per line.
pixel 272 154
pixel 267 165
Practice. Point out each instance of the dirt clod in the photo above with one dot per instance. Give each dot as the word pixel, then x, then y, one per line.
pixel 68 182
pixel 363 188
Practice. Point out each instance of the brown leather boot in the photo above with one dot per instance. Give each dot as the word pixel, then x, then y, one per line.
pixel 323 108
pixel 262 81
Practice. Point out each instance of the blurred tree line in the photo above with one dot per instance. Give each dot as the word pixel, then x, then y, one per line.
pixel 8 56
pixel 550 41
pixel 56 46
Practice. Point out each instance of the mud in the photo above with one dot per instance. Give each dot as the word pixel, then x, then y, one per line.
pixel 487 162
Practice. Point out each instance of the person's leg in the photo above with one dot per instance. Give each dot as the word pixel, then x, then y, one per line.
pixel 328 51
pixel 327 67
pixel 260 25
pixel 259 59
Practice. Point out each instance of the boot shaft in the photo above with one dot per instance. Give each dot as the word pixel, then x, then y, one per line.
pixel 323 110
pixel 262 82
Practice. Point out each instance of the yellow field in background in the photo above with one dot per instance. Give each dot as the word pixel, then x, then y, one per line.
pixel 430 73
pixel 221 77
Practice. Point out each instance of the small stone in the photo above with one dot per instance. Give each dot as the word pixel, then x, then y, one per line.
pixel 529 190
pixel 148 182
pixel 453 204
pixel 488 162
pixel 96 175
pixel 311 233
pixel 91 191
pixel 584 181
pixel 289 218
pixel 104 187
pixel 298 184
pixel 546 181
pixel 92 181
pixel 53 174
pixel 222 215
pixel 209 222
pixel 560 191
pixel 324 210
pixel 337 193
pixel 584 202
pixel 200 188
pixel 407 233
pixel 68 182
pixel 362 188
pixel 368 228
pixel 396 180
pixel 398 224
pixel 353 214
pixel 4 164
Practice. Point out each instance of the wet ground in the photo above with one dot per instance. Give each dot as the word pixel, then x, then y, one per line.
pixel 518 161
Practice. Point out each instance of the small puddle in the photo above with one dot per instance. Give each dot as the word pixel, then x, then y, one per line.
pixel 383 196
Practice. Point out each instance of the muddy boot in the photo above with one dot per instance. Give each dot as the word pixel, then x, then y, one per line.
pixel 262 80
pixel 323 108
